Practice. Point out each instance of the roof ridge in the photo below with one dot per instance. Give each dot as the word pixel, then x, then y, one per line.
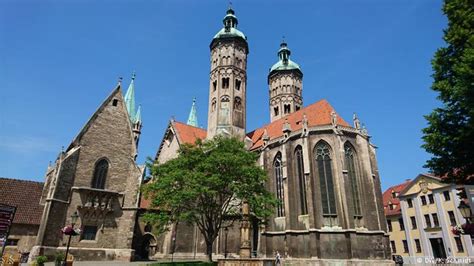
pixel 288 115
pixel 176 121
pixel 21 180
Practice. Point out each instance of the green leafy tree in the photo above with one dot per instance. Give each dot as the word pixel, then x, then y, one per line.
pixel 206 185
pixel 450 132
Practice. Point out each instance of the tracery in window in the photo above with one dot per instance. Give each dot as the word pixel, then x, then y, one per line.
pixel 280 193
pixel 352 173
pixel 324 172
pixel 301 179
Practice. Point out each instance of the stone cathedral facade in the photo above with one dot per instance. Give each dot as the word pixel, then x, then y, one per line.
pixel 321 168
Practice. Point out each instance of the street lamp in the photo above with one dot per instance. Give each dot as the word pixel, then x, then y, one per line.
pixel 465 211
pixel 226 231
pixel 74 218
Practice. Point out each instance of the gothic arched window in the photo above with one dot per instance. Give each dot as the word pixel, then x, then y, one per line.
pixel 301 179
pixel 100 174
pixel 278 172
pixel 324 171
pixel 350 158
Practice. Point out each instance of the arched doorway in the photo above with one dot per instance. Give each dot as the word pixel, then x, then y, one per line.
pixel 148 246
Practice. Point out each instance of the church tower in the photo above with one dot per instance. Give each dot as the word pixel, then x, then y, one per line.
pixel 228 80
pixel 285 82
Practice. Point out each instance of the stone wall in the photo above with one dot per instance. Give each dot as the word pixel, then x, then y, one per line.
pixel 26 236
pixel 112 210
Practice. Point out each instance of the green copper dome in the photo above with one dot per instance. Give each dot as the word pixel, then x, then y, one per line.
pixel 282 66
pixel 284 63
pixel 230 27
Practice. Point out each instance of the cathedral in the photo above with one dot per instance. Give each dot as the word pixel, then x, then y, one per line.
pixel 322 169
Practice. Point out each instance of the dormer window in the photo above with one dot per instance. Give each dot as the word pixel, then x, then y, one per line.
pixel 394 194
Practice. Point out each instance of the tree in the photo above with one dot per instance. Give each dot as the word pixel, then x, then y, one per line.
pixel 206 185
pixel 449 136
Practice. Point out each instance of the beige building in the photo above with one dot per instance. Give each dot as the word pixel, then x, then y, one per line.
pixel 428 211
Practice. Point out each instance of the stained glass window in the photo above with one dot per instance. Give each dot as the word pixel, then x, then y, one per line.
pixel 278 171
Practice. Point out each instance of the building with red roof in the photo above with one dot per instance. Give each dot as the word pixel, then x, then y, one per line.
pixel 420 216
pixel 28 211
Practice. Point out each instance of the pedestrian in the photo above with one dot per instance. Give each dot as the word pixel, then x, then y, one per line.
pixel 277 258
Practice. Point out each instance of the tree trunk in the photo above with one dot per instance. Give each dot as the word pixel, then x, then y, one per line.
pixel 209 251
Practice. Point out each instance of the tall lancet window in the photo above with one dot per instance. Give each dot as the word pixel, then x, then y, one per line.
pixel 324 170
pixel 100 174
pixel 350 158
pixel 280 191
pixel 301 179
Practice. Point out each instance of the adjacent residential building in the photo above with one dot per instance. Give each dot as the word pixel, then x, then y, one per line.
pixel 28 212
pixel 395 224
pixel 420 220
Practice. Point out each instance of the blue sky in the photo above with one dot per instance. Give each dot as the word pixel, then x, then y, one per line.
pixel 60 59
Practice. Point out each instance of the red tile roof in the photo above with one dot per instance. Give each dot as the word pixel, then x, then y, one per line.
pixel 318 114
pixel 388 198
pixel 25 195
pixel 188 134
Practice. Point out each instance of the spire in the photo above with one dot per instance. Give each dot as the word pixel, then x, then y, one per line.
pixel 130 99
pixel 192 118
pixel 138 115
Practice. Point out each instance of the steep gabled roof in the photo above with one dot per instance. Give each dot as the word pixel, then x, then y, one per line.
pixel 25 195
pixel 317 114
pixel 389 199
pixel 117 92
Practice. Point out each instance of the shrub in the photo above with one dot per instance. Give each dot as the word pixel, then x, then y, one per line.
pixel 41 260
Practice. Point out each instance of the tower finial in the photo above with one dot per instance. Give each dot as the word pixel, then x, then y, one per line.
pixel 134 75
pixel 192 118
pixel 120 80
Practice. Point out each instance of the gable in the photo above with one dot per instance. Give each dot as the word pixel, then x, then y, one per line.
pixel 423 183
pixel 176 134
pixel 109 122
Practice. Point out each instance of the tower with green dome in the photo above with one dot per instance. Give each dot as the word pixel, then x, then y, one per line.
pixel 228 80
pixel 285 82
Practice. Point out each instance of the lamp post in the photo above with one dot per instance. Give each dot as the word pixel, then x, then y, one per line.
pixel 465 211
pixel 226 231
pixel 74 217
